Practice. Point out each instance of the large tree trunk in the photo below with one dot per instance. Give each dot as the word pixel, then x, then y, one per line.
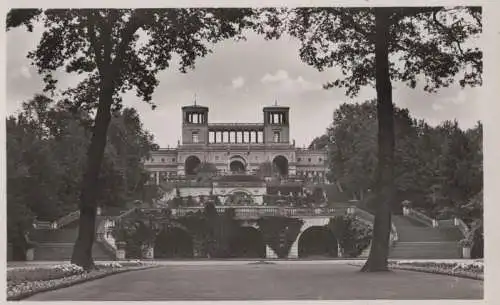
pixel 82 251
pixel 379 252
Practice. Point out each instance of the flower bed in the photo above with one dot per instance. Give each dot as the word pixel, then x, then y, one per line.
pixel 469 269
pixel 23 282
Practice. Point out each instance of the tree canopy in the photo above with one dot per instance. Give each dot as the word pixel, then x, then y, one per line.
pixel 115 51
pixel 375 46
pixel 46 159
pixel 436 168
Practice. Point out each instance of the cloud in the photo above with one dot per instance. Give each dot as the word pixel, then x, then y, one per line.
pixel 286 83
pixel 280 76
pixel 437 107
pixel 238 82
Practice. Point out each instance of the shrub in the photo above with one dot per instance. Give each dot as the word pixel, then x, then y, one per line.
pixel 465 243
pixel 280 232
pixel 352 235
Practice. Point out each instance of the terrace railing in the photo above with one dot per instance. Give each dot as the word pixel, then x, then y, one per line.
pixel 421 217
pixel 462 226
pixel 260 211
pixel 104 236
pixel 67 219
pixel 369 218
pixel 443 223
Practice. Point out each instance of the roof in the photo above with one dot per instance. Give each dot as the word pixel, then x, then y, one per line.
pixel 276 108
pixel 194 107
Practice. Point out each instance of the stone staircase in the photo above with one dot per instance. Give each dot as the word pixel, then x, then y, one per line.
pixel 56 244
pixel 420 241
pixel 415 239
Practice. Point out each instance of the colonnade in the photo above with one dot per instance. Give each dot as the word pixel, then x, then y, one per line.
pixel 195 117
pixel 276 118
pixel 235 136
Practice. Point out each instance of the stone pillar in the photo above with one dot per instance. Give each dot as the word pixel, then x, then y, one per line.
pixel 120 250
pixel 434 223
pixel 270 253
pixel 466 252
pixel 99 211
pixel 406 211
pixel 294 250
pixel 30 254
pixel 149 252
pixel 351 210
pixel 157 176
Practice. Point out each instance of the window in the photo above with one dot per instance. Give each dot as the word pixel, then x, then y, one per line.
pixel 309 160
pixel 276 137
pixel 299 159
pixel 216 157
pixel 319 159
pixel 195 137
pixel 162 159
pixel 173 159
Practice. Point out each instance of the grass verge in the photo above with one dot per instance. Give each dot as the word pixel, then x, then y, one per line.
pixel 21 290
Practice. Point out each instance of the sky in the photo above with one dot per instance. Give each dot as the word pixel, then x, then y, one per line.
pixel 237 80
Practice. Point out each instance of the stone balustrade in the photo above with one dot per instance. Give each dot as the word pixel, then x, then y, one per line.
pixel 260 211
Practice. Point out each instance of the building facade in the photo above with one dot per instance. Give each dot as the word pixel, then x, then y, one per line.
pixel 236 148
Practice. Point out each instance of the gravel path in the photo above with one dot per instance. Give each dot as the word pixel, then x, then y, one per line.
pixel 267 282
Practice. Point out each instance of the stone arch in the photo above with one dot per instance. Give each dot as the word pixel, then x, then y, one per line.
pixel 237 164
pixel 248 242
pixel 173 242
pixel 191 165
pixel 242 197
pixel 280 163
pixel 317 241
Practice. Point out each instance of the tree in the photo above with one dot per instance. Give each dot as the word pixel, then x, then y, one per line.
pixel 205 171
pixel 320 142
pixel 123 177
pixel 266 169
pixel 117 50
pixel 353 148
pixel 369 46
pixel 46 145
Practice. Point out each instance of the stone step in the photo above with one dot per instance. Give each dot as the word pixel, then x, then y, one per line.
pixel 63 251
pixel 430 250
pixel 58 244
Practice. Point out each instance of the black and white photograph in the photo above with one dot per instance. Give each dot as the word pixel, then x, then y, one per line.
pixel 263 152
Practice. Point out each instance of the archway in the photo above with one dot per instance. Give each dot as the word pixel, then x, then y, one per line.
pixel 249 243
pixel 317 242
pixel 173 242
pixel 280 163
pixel 191 164
pixel 237 166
